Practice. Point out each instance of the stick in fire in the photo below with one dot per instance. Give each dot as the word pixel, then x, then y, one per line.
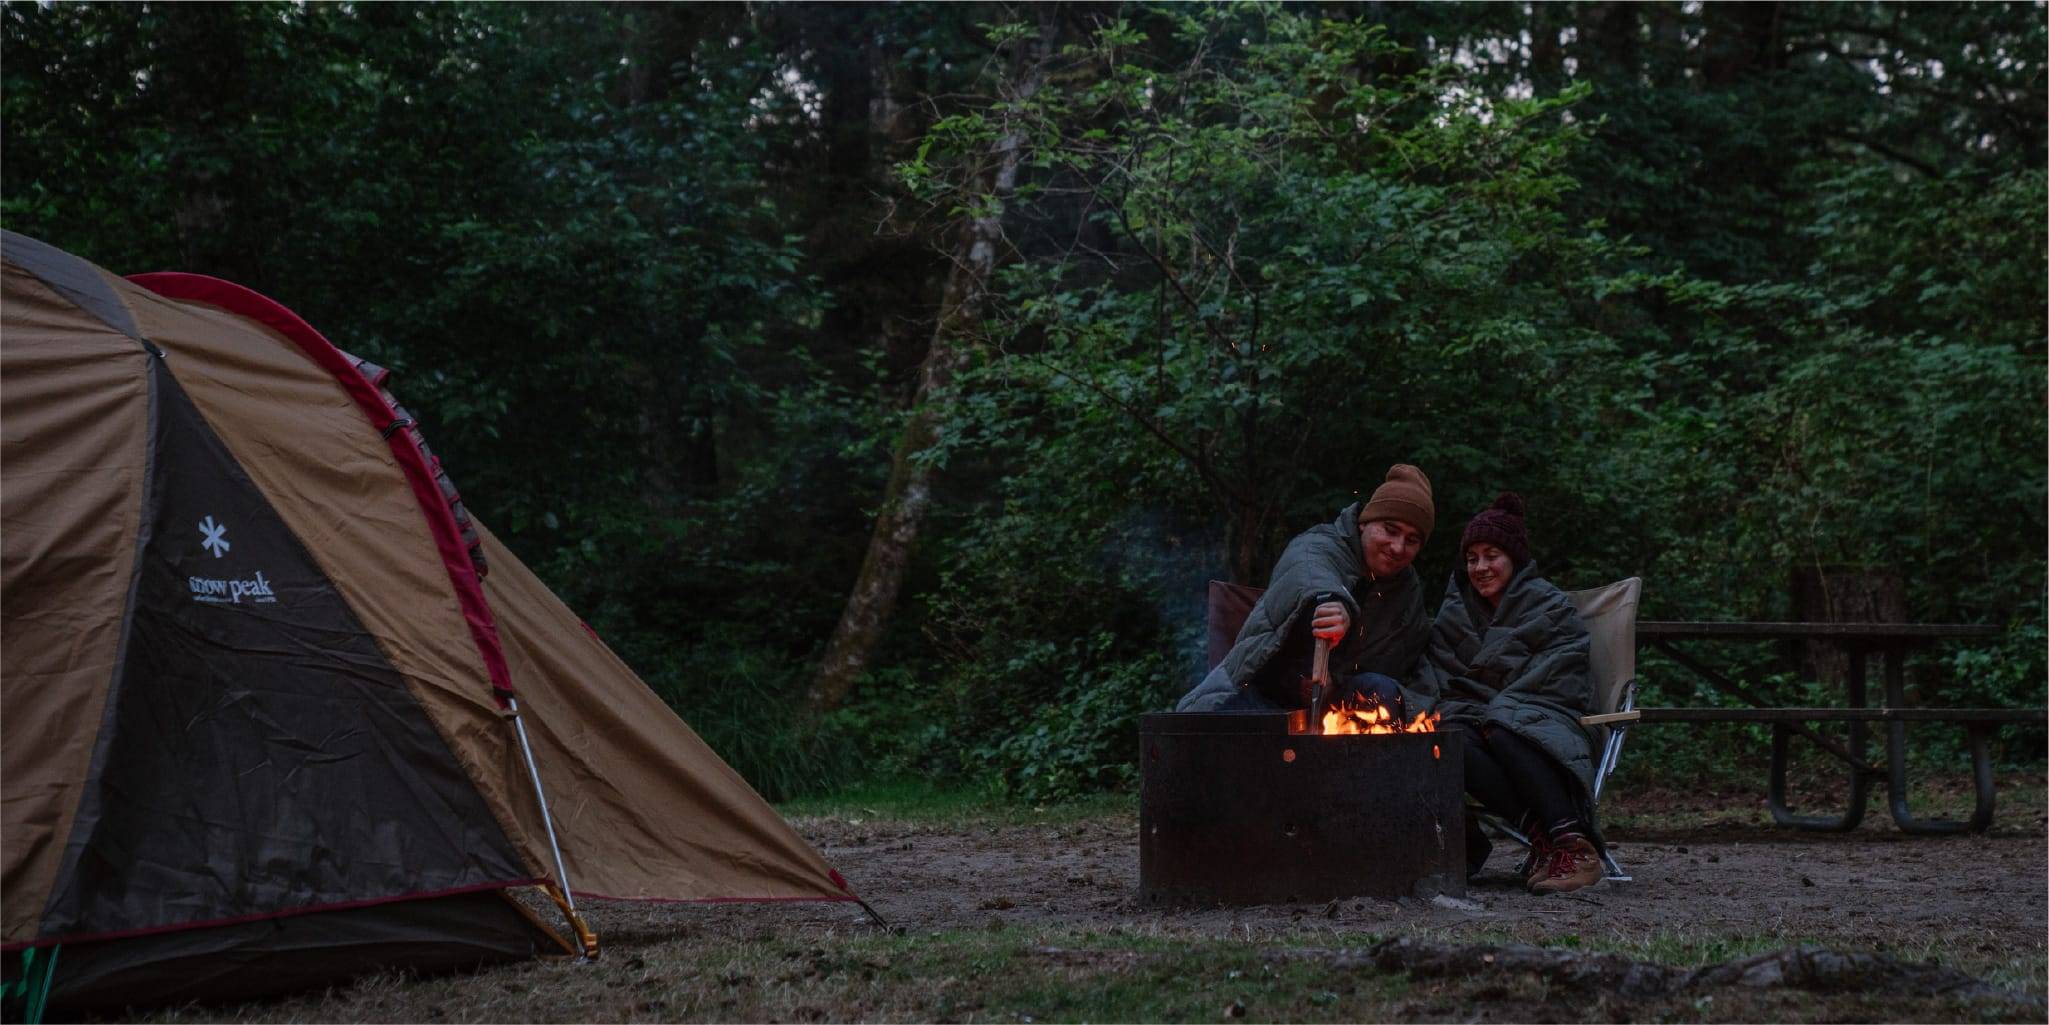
pixel 1319 686
pixel 1332 712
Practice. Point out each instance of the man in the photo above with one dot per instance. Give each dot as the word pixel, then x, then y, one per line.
pixel 1348 581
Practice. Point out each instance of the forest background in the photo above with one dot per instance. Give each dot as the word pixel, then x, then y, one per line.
pixel 884 382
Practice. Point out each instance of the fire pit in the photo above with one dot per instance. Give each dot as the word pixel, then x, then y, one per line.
pixel 1251 808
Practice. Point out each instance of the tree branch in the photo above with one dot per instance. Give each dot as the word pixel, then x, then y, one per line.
pixel 1884 150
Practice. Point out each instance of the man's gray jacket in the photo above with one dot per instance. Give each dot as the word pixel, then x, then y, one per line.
pixel 1388 632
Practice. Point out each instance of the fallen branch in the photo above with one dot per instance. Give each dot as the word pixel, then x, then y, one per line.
pixel 1807 968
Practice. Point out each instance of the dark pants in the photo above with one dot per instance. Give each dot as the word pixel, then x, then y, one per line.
pixel 1516 780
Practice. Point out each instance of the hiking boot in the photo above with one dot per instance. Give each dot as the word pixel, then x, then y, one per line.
pixel 1570 864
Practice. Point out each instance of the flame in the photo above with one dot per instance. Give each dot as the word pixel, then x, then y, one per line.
pixel 1370 716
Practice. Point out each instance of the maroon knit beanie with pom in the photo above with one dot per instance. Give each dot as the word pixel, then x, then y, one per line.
pixel 1500 525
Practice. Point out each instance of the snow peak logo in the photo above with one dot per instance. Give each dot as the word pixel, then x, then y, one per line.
pixel 255 590
pixel 231 592
pixel 216 537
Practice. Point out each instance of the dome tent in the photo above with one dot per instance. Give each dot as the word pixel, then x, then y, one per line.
pixel 265 722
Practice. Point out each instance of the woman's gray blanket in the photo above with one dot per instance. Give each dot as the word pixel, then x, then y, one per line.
pixel 1522 667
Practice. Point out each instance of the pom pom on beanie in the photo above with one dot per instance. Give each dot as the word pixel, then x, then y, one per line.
pixel 1501 525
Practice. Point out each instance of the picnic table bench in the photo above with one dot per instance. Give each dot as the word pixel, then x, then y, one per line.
pixel 1858 641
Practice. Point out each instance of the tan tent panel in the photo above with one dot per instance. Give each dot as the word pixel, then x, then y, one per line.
pixel 604 742
pixel 74 409
pixel 263 714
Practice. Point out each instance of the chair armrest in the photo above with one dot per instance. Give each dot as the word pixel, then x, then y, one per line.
pixel 1611 717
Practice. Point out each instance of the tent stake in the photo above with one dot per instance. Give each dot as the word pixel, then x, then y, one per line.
pixel 547 818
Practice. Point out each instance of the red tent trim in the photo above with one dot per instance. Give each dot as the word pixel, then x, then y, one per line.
pixel 587 895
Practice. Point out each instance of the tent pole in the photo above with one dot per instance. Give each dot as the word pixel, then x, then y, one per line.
pixel 547 818
pixel 877 916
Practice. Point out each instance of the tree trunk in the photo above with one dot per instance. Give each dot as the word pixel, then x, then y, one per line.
pixel 1843 594
pixel 1609 35
pixel 1547 57
pixel 1251 541
pixel 909 492
pixel 1742 39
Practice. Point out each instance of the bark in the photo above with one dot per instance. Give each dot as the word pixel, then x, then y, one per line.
pixel 202 64
pixel 1547 57
pixel 909 492
pixel 1609 31
pixel 1742 41
pixel 679 436
pixel 1251 541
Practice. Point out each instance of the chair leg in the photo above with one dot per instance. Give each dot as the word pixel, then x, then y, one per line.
pixel 1611 754
pixel 1498 825
pixel 1612 869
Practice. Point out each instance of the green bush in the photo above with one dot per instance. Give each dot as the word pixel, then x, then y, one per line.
pixel 1085 740
pixel 2011 673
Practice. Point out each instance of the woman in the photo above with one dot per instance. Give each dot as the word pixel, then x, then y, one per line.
pixel 1507 662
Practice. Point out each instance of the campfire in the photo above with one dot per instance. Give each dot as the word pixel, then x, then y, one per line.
pixel 1252 808
pixel 1370 716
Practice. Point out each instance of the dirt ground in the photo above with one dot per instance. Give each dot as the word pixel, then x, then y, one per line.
pixel 1861 891
pixel 1020 916
pixel 1704 866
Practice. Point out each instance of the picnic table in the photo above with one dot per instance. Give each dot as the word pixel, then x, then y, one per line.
pixel 1858 641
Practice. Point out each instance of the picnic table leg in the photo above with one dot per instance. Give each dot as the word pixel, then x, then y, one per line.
pixel 1723 683
pixel 1860 778
pixel 1896 764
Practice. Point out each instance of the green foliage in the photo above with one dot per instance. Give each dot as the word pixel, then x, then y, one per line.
pixel 1305 252
pixel 1723 290
pixel 1053 637
pixel 1082 741
pixel 920 800
pixel 1278 247
pixel 2014 672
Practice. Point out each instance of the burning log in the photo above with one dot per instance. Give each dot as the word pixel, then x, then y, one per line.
pixel 1355 714
pixel 1369 716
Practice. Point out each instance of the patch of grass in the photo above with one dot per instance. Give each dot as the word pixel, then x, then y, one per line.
pixel 922 802
pixel 1016 975
pixel 1677 949
pixel 1013 974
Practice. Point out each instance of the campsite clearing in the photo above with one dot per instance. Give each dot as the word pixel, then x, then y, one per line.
pixel 1020 915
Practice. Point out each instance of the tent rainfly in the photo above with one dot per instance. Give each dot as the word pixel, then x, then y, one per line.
pixel 276 710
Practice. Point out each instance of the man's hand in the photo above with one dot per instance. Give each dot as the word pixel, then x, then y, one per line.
pixel 1331 622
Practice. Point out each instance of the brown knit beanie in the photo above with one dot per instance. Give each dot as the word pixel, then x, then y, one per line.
pixel 1404 496
pixel 1500 525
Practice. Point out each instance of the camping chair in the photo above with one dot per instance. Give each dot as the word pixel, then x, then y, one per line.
pixel 1610 617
